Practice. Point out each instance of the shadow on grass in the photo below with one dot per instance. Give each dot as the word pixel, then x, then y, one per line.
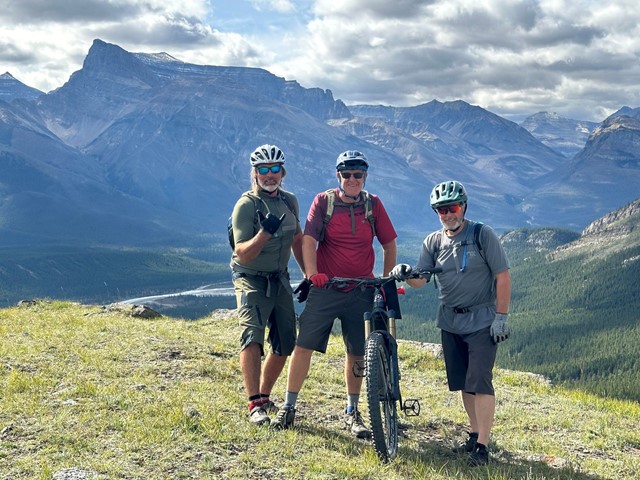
pixel 438 455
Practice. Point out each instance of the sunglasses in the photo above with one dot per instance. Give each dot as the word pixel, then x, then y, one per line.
pixel 448 208
pixel 272 169
pixel 347 175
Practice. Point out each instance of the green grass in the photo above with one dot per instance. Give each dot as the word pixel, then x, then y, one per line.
pixel 129 398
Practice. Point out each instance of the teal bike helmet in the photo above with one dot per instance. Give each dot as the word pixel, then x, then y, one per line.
pixel 447 193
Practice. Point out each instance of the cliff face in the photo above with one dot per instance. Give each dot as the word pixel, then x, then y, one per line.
pixel 624 220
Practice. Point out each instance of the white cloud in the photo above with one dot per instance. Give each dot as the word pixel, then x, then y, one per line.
pixel 576 57
pixel 283 6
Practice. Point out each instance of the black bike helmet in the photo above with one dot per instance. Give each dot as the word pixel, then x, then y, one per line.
pixel 352 160
pixel 266 154
pixel 447 193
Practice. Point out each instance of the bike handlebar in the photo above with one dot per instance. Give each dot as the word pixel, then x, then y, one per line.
pixel 378 281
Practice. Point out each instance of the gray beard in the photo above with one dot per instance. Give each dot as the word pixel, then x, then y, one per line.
pixel 268 188
pixel 454 228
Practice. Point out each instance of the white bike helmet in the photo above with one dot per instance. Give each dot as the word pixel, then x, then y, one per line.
pixel 266 154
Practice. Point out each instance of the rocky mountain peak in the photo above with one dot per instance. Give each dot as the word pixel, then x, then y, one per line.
pixel 12 89
pixel 623 220
pixel 612 124
pixel 564 135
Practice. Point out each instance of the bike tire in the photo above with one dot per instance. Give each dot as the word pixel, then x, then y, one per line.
pixel 383 414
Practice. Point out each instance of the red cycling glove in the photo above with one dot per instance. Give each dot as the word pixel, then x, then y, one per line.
pixel 319 279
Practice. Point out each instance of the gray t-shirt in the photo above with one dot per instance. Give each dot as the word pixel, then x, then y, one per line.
pixel 467 280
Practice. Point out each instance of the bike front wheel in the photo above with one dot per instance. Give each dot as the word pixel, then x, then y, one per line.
pixel 383 413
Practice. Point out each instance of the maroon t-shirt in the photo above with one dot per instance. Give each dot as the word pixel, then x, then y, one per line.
pixel 343 253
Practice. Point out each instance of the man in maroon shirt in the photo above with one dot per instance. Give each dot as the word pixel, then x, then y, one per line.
pixel 344 248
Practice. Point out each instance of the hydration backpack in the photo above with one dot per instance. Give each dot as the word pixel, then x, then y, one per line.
pixel 331 203
pixel 477 228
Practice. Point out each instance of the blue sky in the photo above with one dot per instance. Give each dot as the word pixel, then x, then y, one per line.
pixel 579 58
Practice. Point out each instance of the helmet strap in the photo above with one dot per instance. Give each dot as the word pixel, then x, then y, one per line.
pixel 352 197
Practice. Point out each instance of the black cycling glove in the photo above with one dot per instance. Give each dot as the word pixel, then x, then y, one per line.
pixel 270 223
pixel 303 289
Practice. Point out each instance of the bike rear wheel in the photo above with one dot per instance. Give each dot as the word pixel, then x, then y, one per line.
pixel 383 413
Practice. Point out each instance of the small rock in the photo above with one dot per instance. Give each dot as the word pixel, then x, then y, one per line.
pixel 74 474
pixel 192 412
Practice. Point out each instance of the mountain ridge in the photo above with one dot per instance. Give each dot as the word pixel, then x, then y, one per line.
pixel 174 137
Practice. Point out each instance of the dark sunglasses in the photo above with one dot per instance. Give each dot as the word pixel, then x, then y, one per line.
pixel 448 208
pixel 347 175
pixel 265 170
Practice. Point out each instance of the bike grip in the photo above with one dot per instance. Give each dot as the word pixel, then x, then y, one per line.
pixel 420 273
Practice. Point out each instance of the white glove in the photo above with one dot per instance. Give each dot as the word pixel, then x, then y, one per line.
pixel 401 272
pixel 499 328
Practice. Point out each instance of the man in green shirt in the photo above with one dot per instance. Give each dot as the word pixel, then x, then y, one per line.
pixel 266 231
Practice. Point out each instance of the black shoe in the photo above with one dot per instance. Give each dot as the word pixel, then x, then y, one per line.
pixel 355 423
pixel 468 446
pixel 479 457
pixel 285 418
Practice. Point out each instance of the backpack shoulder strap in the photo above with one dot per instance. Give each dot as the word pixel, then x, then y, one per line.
pixel 477 228
pixel 368 211
pixel 331 202
pixel 258 204
pixel 252 196
pixel 289 203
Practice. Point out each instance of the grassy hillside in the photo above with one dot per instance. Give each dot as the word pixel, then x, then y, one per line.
pixel 120 397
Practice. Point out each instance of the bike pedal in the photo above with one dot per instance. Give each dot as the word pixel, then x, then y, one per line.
pixel 411 407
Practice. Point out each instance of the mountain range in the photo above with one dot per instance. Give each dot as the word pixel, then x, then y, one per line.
pixel 144 149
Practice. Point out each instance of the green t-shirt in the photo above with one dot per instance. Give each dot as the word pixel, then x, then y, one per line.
pixel 277 251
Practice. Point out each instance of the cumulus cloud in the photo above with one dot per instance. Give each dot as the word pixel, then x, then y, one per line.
pixel 505 55
pixel 513 57
pixel 283 6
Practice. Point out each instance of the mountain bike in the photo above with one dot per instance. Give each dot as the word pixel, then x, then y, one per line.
pixel 381 368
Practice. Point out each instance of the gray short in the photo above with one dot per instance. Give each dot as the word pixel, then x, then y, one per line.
pixel 469 361
pixel 323 306
pixel 257 311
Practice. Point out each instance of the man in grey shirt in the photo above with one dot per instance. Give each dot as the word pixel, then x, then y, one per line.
pixel 474 292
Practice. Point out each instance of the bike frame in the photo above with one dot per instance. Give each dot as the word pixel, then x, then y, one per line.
pixel 384 322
